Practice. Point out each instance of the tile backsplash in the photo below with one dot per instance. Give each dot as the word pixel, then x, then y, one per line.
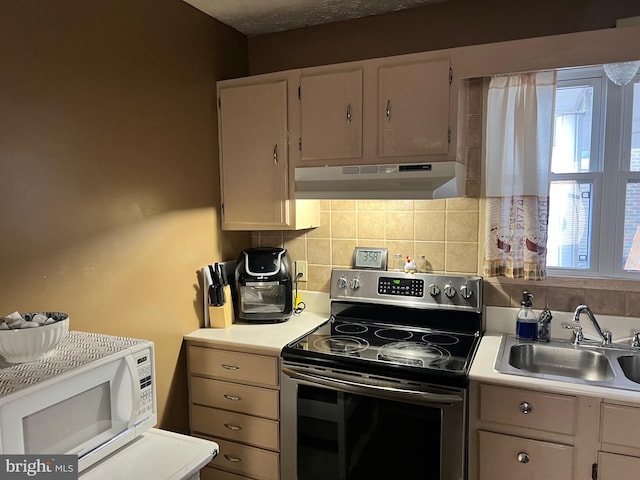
pixel 445 231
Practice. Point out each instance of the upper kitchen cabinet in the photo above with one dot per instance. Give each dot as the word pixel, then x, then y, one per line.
pixel 380 111
pixel 331 114
pixel 413 109
pixel 255 123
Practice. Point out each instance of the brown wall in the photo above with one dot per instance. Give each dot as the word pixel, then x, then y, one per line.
pixel 109 197
pixel 453 23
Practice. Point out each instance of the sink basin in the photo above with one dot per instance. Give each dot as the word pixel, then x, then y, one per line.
pixel 630 365
pixel 566 362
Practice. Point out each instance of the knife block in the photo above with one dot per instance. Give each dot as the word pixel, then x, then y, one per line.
pixel 222 317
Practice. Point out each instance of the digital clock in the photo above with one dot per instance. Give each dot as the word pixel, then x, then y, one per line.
pixel 370 258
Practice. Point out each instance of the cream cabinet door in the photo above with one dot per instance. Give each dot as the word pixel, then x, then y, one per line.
pixel 413 109
pixel 254 156
pixel 331 115
pixel 618 467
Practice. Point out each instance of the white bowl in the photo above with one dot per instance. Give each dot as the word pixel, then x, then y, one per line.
pixel 30 344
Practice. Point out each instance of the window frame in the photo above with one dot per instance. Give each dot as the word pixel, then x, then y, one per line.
pixel 611 143
pixel 624 174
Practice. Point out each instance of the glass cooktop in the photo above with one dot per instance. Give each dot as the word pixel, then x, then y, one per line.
pixel 378 343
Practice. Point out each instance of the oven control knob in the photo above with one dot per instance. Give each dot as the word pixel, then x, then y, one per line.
pixel 342 282
pixel 355 284
pixel 466 292
pixel 449 290
pixel 434 290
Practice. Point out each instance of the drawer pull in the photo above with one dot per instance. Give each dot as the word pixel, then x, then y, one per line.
pixel 231 426
pixel 232 397
pixel 230 367
pixel 233 459
pixel 523 457
pixel 526 407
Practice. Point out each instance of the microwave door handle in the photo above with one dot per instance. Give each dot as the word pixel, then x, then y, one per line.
pixel 135 387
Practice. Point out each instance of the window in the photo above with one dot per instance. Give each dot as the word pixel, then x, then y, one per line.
pixel 594 214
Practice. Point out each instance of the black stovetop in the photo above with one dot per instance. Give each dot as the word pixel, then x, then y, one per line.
pixel 415 347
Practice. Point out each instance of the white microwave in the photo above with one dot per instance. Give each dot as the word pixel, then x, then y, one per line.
pixel 93 395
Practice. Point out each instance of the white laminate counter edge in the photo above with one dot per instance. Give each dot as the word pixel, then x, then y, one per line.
pixel 157 454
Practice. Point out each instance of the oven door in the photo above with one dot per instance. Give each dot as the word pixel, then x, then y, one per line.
pixel 350 426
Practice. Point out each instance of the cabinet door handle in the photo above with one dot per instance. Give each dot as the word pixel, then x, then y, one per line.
pixel 275 154
pixel 526 408
pixel 349 114
pixel 232 397
pixel 388 110
pixel 523 457
pixel 233 427
pixel 233 459
pixel 229 367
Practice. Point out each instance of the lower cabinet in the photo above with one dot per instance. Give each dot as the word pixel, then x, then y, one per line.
pixel 619 458
pixel 215 474
pixel 507 456
pixel 234 400
pixel 618 467
pixel 526 434
pixel 518 433
pixel 245 461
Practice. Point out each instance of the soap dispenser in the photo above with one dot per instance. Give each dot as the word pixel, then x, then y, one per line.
pixel 527 322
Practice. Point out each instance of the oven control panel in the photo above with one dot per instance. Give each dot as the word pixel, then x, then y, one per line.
pixel 419 290
pixel 408 287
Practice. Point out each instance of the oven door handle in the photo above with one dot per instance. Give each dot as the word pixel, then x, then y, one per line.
pixel 377 390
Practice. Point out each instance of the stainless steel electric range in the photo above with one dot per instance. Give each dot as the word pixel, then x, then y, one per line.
pixel 380 389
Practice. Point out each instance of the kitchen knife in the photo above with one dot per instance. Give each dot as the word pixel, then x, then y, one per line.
pixel 213 294
pixel 223 274
pixel 223 281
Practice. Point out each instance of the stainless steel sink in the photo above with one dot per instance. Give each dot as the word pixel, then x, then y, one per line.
pixel 630 365
pixel 566 362
pixel 614 366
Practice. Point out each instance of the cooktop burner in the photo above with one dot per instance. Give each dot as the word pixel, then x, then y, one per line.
pixel 413 353
pixel 395 323
pixel 340 345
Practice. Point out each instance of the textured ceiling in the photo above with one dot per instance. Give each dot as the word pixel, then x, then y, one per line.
pixel 256 17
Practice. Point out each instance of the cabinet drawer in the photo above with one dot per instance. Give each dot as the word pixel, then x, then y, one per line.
pixel 525 408
pixel 506 456
pixel 617 467
pixel 261 402
pixel 248 461
pixel 215 474
pixel 235 426
pixel 235 366
pixel 620 425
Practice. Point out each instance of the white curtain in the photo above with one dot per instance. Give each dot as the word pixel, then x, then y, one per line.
pixel 520 114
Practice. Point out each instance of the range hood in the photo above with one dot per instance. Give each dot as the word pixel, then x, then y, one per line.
pixel 393 181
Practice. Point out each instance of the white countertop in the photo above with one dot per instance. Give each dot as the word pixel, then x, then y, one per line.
pixel 156 454
pixel 268 337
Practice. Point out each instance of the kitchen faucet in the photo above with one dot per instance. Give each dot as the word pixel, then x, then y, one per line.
pixel 604 334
